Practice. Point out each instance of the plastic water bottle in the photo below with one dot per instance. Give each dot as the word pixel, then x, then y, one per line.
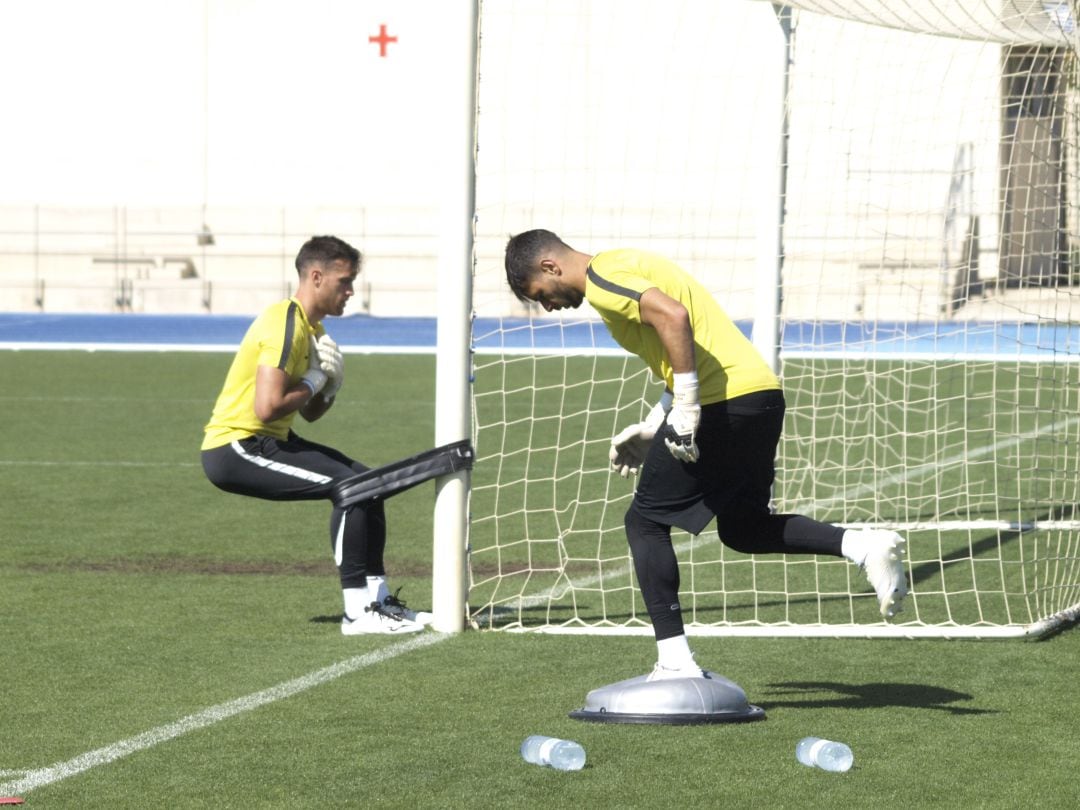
pixel 824 754
pixel 562 755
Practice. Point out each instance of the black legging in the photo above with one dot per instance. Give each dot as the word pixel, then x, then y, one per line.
pixel 731 481
pixel 295 469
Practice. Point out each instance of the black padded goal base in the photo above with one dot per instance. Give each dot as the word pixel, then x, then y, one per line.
pixel 398 476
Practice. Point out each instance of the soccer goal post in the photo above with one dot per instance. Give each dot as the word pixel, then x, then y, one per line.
pixel 907 173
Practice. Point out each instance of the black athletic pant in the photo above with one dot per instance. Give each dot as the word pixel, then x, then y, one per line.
pixel 295 469
pixel 731 481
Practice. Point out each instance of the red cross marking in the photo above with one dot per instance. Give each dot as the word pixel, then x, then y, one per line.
pixel 382 39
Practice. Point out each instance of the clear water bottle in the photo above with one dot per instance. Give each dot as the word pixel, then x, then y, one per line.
pixel 562 755
pixel 824 754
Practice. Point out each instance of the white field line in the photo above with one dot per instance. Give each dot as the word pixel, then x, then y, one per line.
pixel 13 463
pixel 30 780
pixel 557 591
pixel 189 347
pixel 1033 355
pixel 855 492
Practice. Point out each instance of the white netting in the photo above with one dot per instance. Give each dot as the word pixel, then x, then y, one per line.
pixel 929 296
pixel 1042 22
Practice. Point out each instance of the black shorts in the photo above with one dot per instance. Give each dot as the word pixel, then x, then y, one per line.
pixel 737 440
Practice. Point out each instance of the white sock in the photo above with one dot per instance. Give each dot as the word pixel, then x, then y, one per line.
pixel 378 586
pixel 853 546
pixel 356 599
pixel 674 653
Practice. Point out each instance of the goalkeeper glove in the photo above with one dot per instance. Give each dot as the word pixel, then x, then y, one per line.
pixel 683 419
pixel 315 379
pixel 332 363
pixel 630 445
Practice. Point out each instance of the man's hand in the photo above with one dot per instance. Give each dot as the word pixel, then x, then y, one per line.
pixel 683 419
pixel 332 364
pixel 630 445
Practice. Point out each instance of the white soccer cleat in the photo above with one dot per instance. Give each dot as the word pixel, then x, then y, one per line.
pixel 662 673
pixel 377 620
pixel 391 604
pixel 884 567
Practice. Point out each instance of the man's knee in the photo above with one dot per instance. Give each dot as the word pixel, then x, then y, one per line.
pixel 640 529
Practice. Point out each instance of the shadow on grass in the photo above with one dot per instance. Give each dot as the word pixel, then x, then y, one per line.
pixel 990 545
pixel 832 695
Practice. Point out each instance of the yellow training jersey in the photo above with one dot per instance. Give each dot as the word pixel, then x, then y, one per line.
pixel 728 365
pixel 281 338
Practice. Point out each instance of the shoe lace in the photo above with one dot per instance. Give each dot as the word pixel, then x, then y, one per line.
pixel 380 610
pixel 393 601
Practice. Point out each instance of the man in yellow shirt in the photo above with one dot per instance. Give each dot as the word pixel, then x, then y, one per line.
pixel 287 364
pixel 708 448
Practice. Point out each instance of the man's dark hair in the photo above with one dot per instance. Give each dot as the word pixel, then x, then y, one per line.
pixel 523 255
pixel 324 250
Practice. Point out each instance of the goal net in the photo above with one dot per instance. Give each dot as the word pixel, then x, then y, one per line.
pixel 885 191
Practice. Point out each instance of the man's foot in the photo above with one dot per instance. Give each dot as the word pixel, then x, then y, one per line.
pixel 662 673
pixel 378 620
pixel 392 604
pixel 884 567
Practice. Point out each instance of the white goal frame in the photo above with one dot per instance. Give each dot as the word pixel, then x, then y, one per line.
pixel 454 368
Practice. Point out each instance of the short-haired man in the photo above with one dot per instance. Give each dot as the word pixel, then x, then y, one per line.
pixel 707 450
pixel 287 364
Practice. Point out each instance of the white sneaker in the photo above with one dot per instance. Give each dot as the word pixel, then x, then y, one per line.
pixel 662 673
pixel 378 620
pixel 884 567
pixel 391 604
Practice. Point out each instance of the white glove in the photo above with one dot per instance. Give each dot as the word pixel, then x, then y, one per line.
pixel 630 445
pixel 683 419
pixel 332 363
pixel 315 379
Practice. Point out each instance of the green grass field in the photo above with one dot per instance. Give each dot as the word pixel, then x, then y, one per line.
pixel 149 622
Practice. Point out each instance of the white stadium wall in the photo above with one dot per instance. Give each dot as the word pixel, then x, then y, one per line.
pixel 643 123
